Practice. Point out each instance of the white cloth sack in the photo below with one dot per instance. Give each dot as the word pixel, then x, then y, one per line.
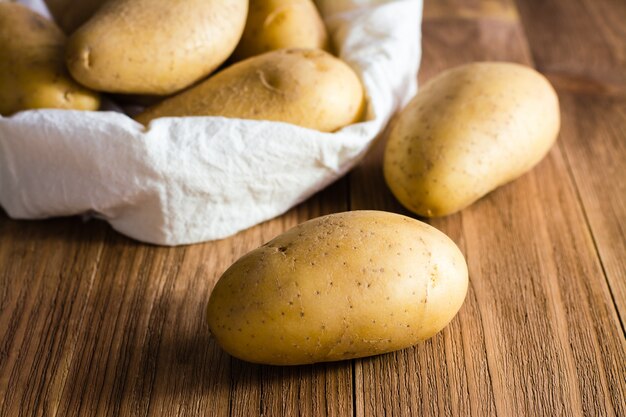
pixel 192 179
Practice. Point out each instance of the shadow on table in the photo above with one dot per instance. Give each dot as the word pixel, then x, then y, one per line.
pixel 176 361
pixel 59 229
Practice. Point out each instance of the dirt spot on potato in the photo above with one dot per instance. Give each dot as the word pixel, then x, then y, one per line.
pixel 37 23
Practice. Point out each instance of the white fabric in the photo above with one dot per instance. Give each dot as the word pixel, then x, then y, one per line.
pixel 192 179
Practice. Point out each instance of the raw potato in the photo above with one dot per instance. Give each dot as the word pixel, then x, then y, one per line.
pixel 337 287
pixel 468 131
pixel 309 88
pixel 32 68
pixel 70 14
pixel 154 46
pixel 280 24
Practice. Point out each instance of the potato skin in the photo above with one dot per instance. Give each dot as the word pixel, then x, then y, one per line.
pixel 154 46
pixel 32 70
pixel 70 14
pixel 309 88
pixel 281 24
pixel 468 131
pixel 337 287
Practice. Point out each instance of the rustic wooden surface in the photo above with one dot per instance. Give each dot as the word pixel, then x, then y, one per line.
pixel 92 323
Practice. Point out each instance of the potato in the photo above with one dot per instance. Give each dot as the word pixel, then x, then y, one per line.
pixel 154 46
pixel 70 14
pixel 467 132
pixel 280 24
pixel 309 88
pixel 32 69
pixel 337 287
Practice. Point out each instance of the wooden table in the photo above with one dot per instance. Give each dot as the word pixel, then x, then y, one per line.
pixel 92 323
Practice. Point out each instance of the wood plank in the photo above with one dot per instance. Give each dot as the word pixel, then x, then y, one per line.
pixel 538 332
pixel 580 40
pixel 97 324
pixel 550 317
pixel 471 9
pixel 593 93
pixel 40 313
pixel 469 40
pixel 594 128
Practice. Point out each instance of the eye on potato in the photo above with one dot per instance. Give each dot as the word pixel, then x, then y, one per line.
pixel 154 46
pixel 468 131
pixel 337 287
pixel 281 24
pixel 32 66
pixel 309 88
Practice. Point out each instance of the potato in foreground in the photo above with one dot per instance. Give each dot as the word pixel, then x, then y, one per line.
pixel 309 88
pixel 468 131
pixel 154 46
pixel 337 287
pixel 32 66
pixel 281 24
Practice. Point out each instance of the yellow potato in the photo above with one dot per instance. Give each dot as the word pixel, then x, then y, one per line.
pixel 32 69
pixel 468 131
pixel 337 287
pixel 280 24
pixel 154 46
pixel 70 14
pixel 309 88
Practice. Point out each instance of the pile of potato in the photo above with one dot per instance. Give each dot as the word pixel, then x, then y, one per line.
pixel 277 66
pixel 341 286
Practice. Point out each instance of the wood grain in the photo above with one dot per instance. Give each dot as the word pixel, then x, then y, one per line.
pixel 471 10
pixel 94 324
pixel 584 40
pixel 583 50
pixel 594 128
